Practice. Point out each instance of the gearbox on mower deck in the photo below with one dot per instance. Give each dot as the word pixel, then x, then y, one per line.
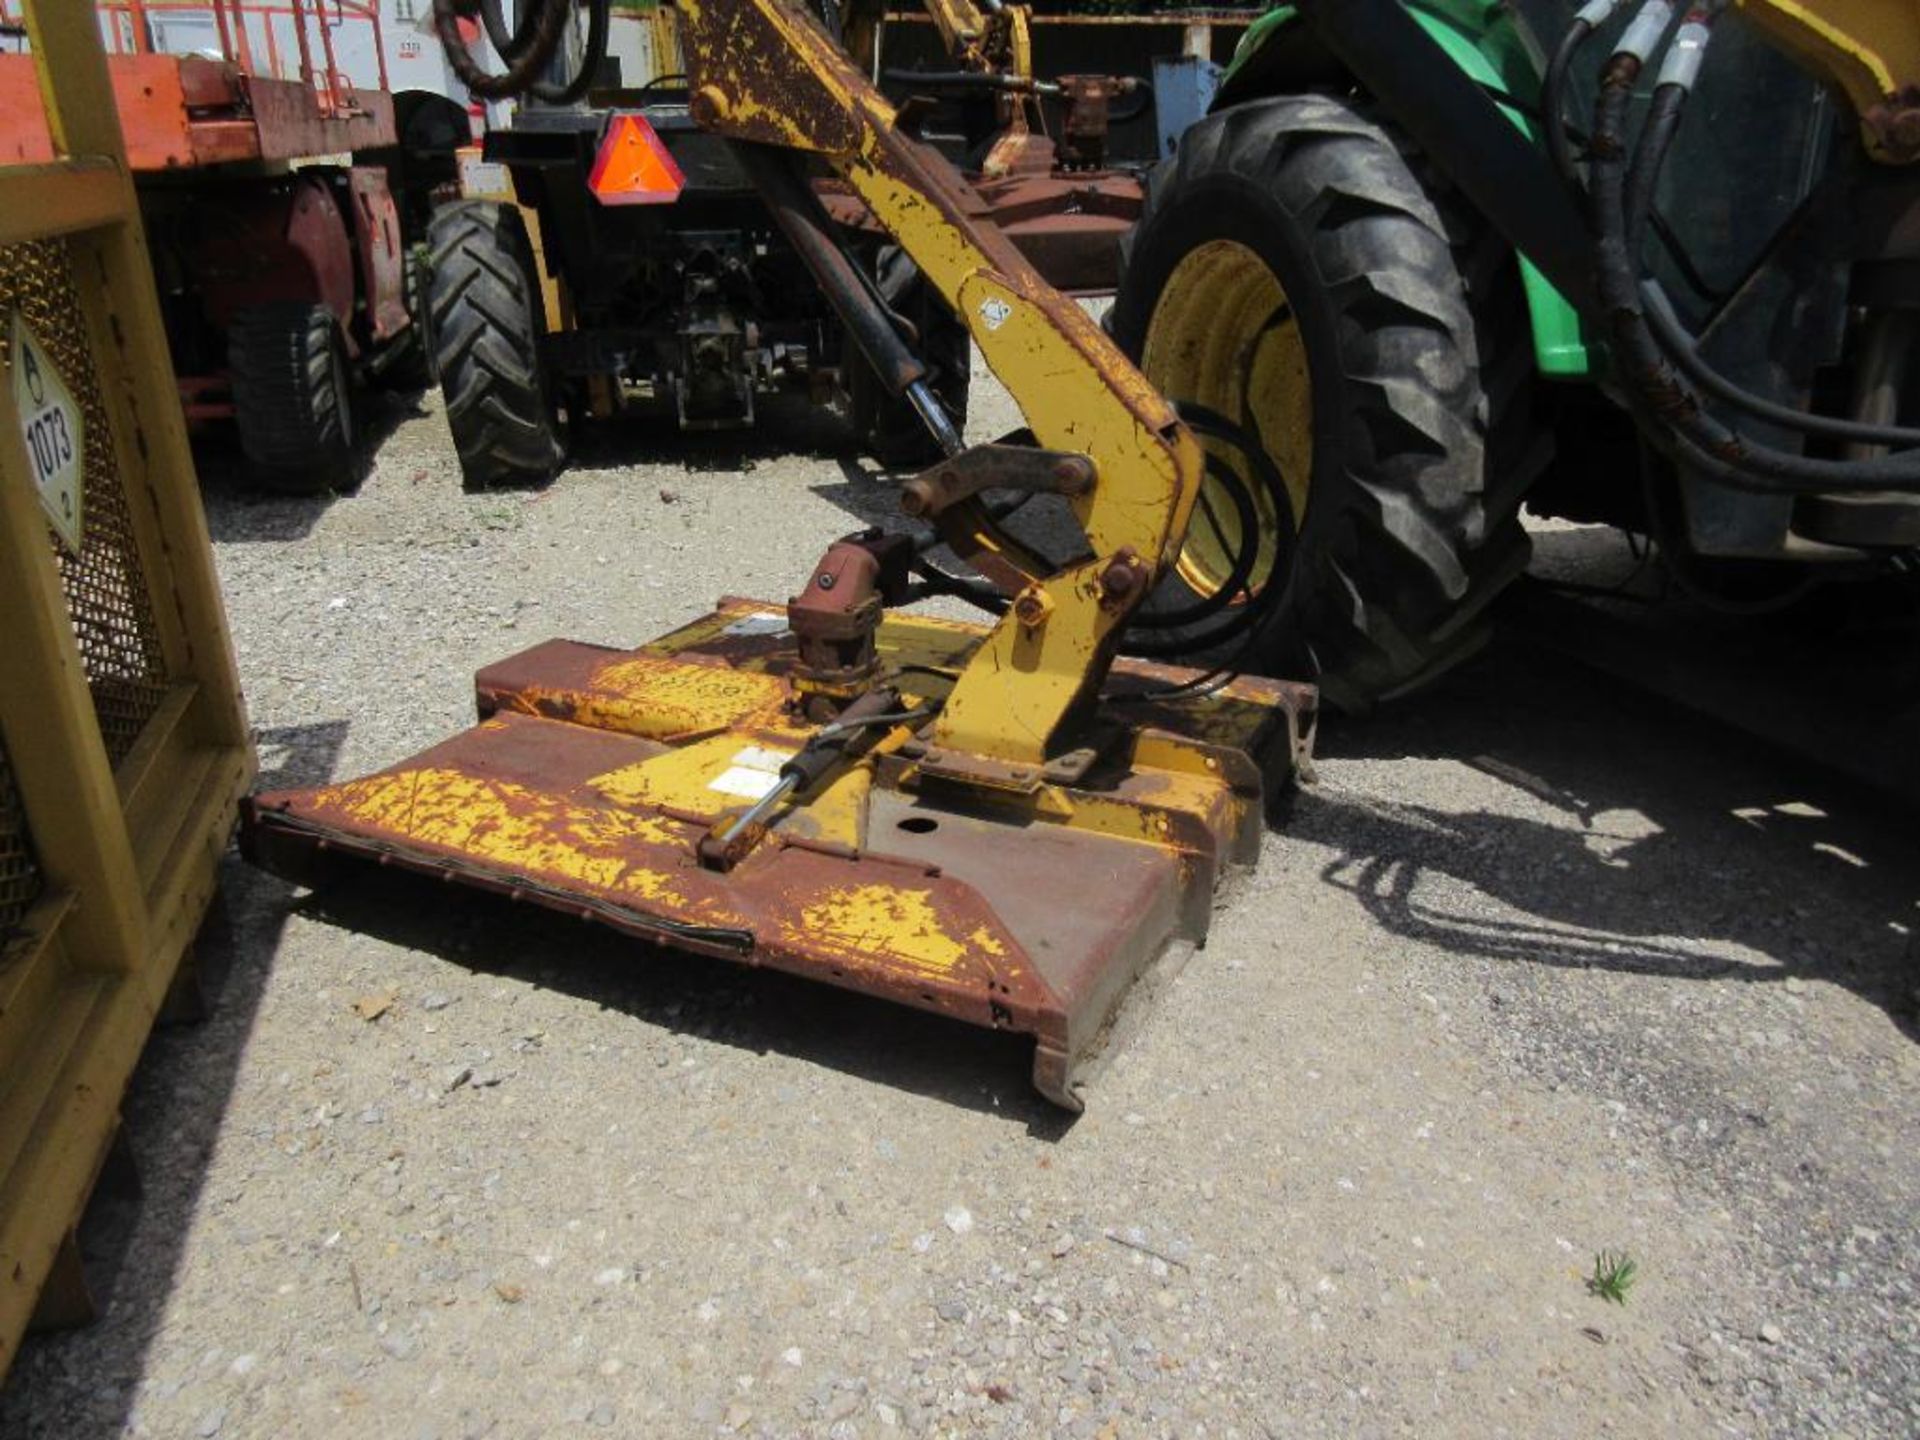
pixel 595 775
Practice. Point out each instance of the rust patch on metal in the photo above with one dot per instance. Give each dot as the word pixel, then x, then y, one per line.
pixel 1030 912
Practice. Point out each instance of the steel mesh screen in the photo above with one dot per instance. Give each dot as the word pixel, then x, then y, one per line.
pixel 19 875
pixel 106 590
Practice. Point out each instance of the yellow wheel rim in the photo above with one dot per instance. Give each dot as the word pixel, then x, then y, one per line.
pixel 1223 336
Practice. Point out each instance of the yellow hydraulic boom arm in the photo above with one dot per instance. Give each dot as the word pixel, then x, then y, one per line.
pixel 762 72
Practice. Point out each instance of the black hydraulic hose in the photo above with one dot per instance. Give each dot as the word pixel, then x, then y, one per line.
pixel 1684 350
pixel 1553 90
pixel 804 221
pixel 1649 157
pixel 509 43
pixel 1664 392
pixel 1251 618
pixel 1212 424
pixel 599 22
pixel 523 70
pixel 1254 617
pixel 1553 99
pixel 512 43
pixel 941 581
pixel 1246 556
pixel 1568 137
pixel 1255 626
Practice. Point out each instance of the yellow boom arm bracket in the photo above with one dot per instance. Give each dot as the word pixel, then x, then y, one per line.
pixel 1869 49
pixel 762 71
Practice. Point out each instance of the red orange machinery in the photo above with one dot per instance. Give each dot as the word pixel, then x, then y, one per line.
pixel 267 175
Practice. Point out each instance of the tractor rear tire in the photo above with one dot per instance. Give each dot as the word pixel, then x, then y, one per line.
pixel 1311 219
pixel 486 325
pixel 293 396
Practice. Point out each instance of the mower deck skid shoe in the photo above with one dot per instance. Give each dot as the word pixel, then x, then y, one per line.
pixel 594 773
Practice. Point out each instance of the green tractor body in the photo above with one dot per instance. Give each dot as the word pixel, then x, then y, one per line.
pixel 1370 259
pixel 1496 51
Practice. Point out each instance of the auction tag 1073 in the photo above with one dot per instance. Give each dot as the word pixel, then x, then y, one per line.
pixel 52 427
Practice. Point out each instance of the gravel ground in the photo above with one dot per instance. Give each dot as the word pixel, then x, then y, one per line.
pixel 1534 971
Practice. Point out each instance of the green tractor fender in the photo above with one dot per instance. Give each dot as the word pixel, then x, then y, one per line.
pixel 1280 54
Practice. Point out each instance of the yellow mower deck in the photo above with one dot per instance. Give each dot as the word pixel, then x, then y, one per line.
pixel 594 773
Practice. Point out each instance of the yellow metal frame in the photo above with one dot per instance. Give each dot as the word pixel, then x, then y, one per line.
pixel 1870 49
pixel 127 852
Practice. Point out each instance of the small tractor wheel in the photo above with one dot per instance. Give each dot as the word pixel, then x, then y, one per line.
pixel 888 426
pixel 484 319
pixel 293 396
pixel 1296 273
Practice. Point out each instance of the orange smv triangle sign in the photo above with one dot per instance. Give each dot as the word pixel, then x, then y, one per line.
pixel 633 166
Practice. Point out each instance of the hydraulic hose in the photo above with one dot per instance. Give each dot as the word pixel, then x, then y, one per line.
pixel 1666 394
pixel 1254 625
pixel 1142 96
pixel 1246 555
pixel 523 68
pixel 1684 350
pixel 599 22
pixel 1252 618
pixel 1147 635
pixel 1554 88
pixel 509 43
pixel 1649 156
pixel 527 49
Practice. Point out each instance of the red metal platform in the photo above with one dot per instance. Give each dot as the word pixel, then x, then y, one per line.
pixel 271 90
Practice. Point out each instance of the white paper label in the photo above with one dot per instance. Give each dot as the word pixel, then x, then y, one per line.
pixel 52 428
pixel 747 784
pixel 753 772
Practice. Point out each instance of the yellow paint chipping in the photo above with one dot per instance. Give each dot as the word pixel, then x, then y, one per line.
pixel 511 826
pixel 985 940
pixel 662 699
pixel 891 924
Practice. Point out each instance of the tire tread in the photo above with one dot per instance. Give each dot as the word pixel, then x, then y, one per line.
pixel 481 302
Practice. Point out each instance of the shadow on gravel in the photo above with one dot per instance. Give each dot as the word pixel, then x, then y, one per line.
pixel 241 510
pixel 648 433
pixel 1678 848
pixel 83 1384
pixel 761 1011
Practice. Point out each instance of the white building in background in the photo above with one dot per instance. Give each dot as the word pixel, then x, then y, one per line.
pixel 414 58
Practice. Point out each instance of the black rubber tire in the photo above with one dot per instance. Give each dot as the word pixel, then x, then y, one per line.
pixel 1421 451
pixel 485 322
pixel 412 368
pixel 888 426
pixel 293 397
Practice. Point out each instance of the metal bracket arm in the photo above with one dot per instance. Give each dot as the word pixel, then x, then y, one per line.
pixel 763 71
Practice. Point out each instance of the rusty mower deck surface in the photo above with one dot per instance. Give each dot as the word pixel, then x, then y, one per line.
pixel 594 774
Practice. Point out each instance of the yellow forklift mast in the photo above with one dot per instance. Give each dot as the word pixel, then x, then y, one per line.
pixel 1002 824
